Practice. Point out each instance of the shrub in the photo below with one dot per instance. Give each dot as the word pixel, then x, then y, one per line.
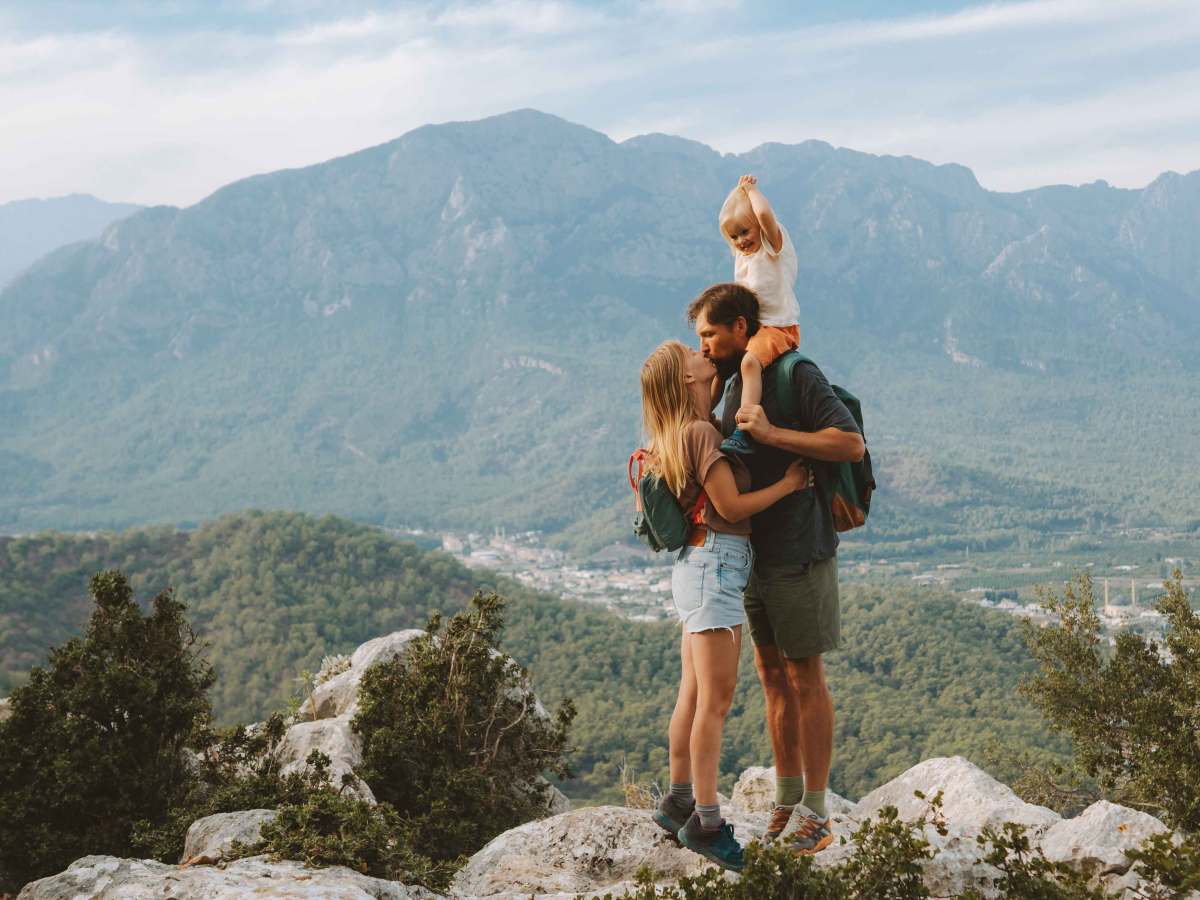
pixel 96 739
pixel 1133 713
pixel 454 738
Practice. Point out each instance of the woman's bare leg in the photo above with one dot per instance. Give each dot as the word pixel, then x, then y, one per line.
pixel 714 656
pixel 679 734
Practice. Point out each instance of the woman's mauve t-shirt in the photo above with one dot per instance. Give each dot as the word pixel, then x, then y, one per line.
pixel 702 448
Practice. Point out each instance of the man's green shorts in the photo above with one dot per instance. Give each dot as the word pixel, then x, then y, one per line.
pixel 795 607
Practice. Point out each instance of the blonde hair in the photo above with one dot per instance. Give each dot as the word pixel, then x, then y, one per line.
pixel 667 410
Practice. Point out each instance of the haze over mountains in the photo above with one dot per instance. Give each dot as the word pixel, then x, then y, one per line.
pixel 446 330
pixel 29 229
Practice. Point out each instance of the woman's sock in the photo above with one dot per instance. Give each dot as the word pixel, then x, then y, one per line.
pixel 682 794
pixel 788 789
pixel 815 800
pixel 710 816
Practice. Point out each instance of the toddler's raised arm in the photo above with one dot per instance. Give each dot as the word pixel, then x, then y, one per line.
pixel 762 211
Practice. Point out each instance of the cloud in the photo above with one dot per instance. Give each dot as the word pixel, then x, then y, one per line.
pixel 1025 93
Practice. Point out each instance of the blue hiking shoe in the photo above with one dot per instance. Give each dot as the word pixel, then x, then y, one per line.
pixel 738 444
pixel 719 845
pixel 672 815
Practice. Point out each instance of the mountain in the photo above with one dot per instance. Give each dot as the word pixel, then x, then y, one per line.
pixel 446 330
pixel 271 594
pixel 32 228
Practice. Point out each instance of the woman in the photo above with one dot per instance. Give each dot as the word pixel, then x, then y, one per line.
pixel 710 573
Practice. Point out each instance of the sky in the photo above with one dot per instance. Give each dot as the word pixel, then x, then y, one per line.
pixel 165 101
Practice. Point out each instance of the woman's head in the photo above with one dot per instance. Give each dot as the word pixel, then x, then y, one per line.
pixel 669 405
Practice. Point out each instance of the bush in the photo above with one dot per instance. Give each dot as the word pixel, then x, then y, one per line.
pixel 96 739
pixel 1133 713
pixel 454 738
pixel 327 826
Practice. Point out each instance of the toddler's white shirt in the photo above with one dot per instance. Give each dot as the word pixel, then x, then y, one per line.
pixel 772 276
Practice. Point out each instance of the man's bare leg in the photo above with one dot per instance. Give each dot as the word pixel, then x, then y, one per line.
pixel 806 677
pixel 783 711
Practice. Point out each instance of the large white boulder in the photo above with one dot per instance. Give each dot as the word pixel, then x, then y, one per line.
pixel 1096 840
pixel 339 695
pixel 972 799
pixel 5 708
pixel 596 849
pixel 334 738
pixel 110 878
pixel 212 837
pixel 755 792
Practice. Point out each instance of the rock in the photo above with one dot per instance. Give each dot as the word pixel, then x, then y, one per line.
pixel 586 850
pixel 110 878
pixel 755 792
pixel 212 837
pixel 1095 841
pixel 335 739
pixel 339 695
pixel 972 799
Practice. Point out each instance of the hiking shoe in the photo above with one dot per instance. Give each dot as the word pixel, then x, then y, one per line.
pixel 739 444
pixel 719 845
pixel 812 834
pixel 780 816
pixel 671 814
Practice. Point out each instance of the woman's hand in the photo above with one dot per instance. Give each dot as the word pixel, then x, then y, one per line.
pixel 798 476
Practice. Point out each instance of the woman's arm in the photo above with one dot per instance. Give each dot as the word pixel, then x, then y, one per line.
pixel 734 506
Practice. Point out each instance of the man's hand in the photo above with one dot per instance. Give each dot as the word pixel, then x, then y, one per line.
pixel 753 420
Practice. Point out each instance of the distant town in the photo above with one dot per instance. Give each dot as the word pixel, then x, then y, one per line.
pixel 638 586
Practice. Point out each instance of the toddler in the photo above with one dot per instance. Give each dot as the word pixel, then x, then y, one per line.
pixel 764 260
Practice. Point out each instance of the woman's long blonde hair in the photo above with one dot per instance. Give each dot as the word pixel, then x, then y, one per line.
pixel 667 410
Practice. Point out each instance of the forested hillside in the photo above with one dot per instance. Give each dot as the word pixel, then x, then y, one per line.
pixel 271 593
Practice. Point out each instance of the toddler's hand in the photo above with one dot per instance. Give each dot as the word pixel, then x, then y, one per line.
pixel 746 182
pixel 799 476
pixel 753 420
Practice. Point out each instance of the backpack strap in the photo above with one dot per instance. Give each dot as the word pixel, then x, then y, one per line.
pixel 785 398
pixel 696 517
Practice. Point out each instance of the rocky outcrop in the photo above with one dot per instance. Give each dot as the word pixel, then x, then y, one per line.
pixel 971 798
pixel 109 878
pixel 5 708
pixel 755 792
pixel 210 839
pixel 338 697
pixel 1096 840
pixel 333 737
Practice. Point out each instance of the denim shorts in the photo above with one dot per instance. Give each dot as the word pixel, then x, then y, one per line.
pixel 707 581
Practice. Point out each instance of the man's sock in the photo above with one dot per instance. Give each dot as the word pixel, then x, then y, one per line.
pixel 815 800
pixel 710 816
pixel 682 794
pixel 788 789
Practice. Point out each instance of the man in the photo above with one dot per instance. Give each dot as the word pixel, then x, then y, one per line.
pixel 792 598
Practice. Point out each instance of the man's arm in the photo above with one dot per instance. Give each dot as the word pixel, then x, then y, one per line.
pixel 829 444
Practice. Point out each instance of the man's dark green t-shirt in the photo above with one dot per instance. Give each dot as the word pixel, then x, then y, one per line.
pixel 799 528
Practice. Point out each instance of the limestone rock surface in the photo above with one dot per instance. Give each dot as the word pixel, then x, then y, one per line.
pixel 1097 838
pixel 334 738
pixel 5 708
pixel 972 799
pixel 586 850
pixel 212 837
pixel 338 697
pixel 110 878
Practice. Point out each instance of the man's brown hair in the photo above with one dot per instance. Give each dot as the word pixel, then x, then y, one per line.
pixel 723 303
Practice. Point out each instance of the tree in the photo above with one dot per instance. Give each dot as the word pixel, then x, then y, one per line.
pixel 454 738
pixel 1133 712
pixel 95 743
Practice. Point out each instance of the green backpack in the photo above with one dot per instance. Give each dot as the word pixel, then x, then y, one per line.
pixel 660 523
pixel 850 483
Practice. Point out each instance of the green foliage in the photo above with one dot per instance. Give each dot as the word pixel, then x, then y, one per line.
pixel 327 826
pixel 96 739
pixel 1170 865
pixel 271 594
pixel 1132 712
pixel 885 865
pixel 1026 872
pixel 454 738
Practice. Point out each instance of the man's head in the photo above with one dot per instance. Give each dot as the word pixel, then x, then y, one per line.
pixel 738 224
pixel 725 317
